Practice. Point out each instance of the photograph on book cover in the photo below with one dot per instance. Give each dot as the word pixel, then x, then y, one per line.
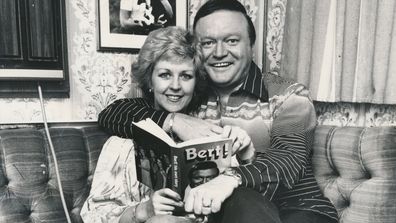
pixel 182 168
pixel 123 25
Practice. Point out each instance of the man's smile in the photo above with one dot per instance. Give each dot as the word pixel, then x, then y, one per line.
pixel 222 64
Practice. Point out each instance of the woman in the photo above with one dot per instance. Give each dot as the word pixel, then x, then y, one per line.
pixel 167 71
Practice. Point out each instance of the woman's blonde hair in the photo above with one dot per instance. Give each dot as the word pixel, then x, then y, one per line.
pixel 170 43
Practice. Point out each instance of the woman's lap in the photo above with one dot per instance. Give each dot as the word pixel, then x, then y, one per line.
pixel 169 219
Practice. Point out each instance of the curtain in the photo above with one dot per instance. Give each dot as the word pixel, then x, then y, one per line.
pixel 342 50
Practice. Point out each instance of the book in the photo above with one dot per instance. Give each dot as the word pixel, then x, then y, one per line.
pixel 184 164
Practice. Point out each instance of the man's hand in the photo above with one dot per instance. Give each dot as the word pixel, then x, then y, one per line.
pixel 187 127
pixel 207 198
pixel 242 144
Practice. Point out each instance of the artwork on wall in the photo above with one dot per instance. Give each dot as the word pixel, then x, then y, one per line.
pixel 123 25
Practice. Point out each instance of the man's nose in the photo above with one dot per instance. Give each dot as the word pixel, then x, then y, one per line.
pixel 205 179
pixel 220 50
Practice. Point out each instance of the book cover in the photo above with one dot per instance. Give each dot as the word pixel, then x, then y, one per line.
pixel 185 164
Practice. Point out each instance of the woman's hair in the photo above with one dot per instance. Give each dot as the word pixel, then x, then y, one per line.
pixel 173 44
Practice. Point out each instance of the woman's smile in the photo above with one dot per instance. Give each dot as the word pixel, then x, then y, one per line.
pixel 173 84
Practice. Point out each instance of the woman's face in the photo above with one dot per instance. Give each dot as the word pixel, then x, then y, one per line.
pixel 173 84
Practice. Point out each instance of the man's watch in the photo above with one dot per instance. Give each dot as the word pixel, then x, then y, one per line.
pixel 233 173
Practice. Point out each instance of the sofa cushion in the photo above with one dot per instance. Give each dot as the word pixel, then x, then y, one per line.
pixel 28 186
pixel 356 169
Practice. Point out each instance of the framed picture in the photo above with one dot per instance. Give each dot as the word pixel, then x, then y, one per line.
pixel 123 25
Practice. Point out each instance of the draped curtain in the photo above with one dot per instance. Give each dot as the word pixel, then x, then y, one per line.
pixel 342 50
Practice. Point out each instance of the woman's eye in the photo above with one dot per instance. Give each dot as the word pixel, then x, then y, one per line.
pixel 186 77
pixel 165 75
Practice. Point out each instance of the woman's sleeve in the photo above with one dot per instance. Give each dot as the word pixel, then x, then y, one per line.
pixel 117 118
pixel 115 186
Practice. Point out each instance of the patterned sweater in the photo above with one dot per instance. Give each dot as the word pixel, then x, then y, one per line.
pixel 280 118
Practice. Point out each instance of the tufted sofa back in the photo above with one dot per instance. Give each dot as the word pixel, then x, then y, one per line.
pixel 356 170
pixel 355 167
pixel 28 188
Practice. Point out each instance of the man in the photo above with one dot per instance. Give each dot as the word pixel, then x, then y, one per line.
pixel 202 172
pixel 278 115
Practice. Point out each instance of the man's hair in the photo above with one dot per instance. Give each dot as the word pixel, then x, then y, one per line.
pixel 213 6
pixel 172 44
pixel 205 165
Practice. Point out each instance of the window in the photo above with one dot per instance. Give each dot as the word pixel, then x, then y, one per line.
pixel 33 48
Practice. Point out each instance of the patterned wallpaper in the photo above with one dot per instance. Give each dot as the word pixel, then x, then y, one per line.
pixel 96 78
pixel 99 78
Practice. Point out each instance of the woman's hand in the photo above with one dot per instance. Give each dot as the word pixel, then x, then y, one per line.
pixel 187 127
pixel 242 144
pixel 165 201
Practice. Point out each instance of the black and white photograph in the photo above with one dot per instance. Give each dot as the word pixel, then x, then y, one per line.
pixel 124 24
pixel 198 111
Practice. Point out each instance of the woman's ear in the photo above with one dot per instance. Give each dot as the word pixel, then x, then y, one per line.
pixel 150 85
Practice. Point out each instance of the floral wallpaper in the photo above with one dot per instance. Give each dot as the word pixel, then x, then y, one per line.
pixel 98 78
pixel 276 21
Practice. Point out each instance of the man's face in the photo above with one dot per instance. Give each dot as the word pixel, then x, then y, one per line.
pixel 226 47
pixel 202 176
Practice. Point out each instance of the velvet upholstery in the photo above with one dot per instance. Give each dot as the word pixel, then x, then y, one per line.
pixel 28 186
pixel 355 167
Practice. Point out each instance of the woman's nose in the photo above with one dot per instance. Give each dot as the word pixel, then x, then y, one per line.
pixel 175 85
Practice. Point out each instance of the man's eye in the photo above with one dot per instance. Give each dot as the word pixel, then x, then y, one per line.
pixel 207 43
pixel 232 41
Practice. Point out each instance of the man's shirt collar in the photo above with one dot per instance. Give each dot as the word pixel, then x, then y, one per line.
pixel 254 83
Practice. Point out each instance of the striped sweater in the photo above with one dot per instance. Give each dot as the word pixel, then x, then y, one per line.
pixel 279 117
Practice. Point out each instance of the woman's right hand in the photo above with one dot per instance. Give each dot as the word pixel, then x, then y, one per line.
pixel 165 201
pixel 187 127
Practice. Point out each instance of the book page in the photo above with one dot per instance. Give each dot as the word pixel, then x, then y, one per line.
pixel 149 126
pixel 199 141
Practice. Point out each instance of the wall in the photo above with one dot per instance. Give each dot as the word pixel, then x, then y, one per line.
pixel 340 114
pixel 97 78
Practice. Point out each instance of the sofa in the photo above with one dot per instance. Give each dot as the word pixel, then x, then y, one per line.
pixel 355 168
pixel 28 186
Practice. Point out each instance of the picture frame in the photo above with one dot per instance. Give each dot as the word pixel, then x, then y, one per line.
pixel 112 36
